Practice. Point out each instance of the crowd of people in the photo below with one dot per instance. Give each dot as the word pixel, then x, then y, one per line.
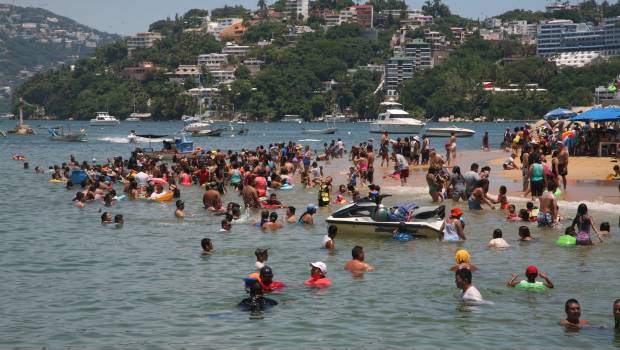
pixel 255 174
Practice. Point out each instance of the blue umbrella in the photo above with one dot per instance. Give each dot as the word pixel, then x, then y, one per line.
pixel 559 113
pixel 599 115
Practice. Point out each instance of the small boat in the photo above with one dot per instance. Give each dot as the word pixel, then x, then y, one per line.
pixel 177 146
pixel 58 134
pixel 213 132
pixel 132 119
pixel 447 132
pixel 319 131
pixel 395 120
pixel 366 217
pixel 190 118
pixel 104 119
pixel 134 137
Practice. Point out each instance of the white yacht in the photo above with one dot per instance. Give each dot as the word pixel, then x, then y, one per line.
pixel 292 118
pixel 202 124
pixel 395 120
pixel 104 119
pixel 447 132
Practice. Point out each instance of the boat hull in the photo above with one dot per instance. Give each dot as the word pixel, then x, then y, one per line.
pixel 69 138
pixel 447 132
pixel 395 128
pixel 320 131
pixel 363 226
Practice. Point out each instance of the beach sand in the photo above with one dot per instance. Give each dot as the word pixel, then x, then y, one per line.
pixel 579 168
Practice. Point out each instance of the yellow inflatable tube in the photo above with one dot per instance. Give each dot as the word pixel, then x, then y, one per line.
pixel 168 196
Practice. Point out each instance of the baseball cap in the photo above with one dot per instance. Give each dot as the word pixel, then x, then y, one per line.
pixel 319 265
pixel 266 271
pixel 311 206
pixel 261 251
pixel 531 270
pixel 456 212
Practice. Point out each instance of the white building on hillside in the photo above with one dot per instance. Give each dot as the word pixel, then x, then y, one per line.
pixel 298 8
pixel 576 59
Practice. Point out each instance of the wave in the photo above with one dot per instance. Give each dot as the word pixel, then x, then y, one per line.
pixel 114 139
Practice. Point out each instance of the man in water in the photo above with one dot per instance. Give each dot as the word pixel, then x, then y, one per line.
pixel 471 179
pixel 207 246
pixel 573 313
pixel 357 264
pixel 317 275
pixel 265 278
pixel 256 301
pixel 212 199
pixel 563 162
pixel 250 195
pixel 273 223
pixel 329 239
pixel 291 218
pixel 470 293
pixel 548 212
pixel 403 167
pixel 179 212
pixel 106 218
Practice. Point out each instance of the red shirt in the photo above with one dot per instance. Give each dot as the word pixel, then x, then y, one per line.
pixel 275 285
pixel 203 176
pixel 319 282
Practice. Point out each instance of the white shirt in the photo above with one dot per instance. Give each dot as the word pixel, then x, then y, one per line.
pixel 498 243
pixel 472 294
pixel 142 178
pixel 259 265
pixel 325 240
pixel 402 162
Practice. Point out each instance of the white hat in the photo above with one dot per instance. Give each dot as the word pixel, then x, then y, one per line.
pixel 319 265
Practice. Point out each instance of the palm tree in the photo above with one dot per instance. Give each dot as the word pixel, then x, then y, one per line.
pixel 262 7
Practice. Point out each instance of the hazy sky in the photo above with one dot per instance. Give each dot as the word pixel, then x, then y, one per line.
pixel 130 16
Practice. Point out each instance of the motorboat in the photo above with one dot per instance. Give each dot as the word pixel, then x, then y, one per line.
pixel 395 120
pixel 207 132
pixel 190 118
pixel 104 119
pixel 447 132
pixel 132 119
pixel 366 217
pixel 134 137
pixel 319 131
pixel 292 118
pixel 58 134
pixel 177 146
pixel 202 124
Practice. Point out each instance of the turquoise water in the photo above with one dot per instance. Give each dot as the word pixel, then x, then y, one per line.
pixel 68 281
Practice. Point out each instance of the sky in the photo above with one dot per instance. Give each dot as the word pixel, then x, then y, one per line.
pixel 131 16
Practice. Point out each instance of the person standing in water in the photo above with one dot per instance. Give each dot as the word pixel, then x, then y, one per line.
pixel 462 278
pixel 573 319
pixel 357 264
pixel 530 273
pixel 584 224
pixel 179 212
pixel 452 228
pixel 329 239
pixel 563 162
pixel 485 141
pixel 256 301
pixel 548 211
pixel 317 275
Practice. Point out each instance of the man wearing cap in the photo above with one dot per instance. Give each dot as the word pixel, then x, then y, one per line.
pixel 265 278
pixel 262 255
pixel 317 275
pixel 308 216
pixel 256 301
pixel 452 227
pixel 462 278
pixel 530 273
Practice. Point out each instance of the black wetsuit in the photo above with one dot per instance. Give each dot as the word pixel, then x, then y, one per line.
pixel 256 303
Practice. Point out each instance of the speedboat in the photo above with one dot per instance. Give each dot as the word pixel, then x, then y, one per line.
pixel 134 137
pixel 319 131
pixel 395 120
pixel 178 146
pixel 202 124
pixel 207 132
pixel 104 119
pixel 368 217
pixel 58 134
pixel 447 132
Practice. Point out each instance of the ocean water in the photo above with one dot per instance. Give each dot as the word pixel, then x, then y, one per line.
pixel 68 281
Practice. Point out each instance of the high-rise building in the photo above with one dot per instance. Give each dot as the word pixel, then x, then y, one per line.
pixel 298 8
pixel 558 36
pixel 142 41
pixel 398 69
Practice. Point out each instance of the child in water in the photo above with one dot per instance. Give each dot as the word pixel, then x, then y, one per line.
pixel 512 213
pixel 584 224
pixel 604 228
pixel 524 234
pixel 498 241
pixel 502 199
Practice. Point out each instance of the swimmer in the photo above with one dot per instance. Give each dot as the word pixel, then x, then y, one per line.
pixel 329 239
pixel 604 229
pixel 512 213
pixel 207 246
pixel 106 218
pixel 273 200
pixel 265 278
pixel 317 275
pixel 225 225
pixel 462 278
pixel 502 199
pixel 463 261
pixel 525 234
pixel 264 218
pixel 80 200
pixel 256 301
pixel 179 212
pixel 291 218
pixel 262 255
pixel 573 315
pixel 273 223
pixel 308 217
pixel 118 220
pixel 498 241
pixel 357 264
pixel 530 273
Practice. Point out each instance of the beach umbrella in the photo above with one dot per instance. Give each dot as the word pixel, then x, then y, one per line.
pixel 559 113
pixel 610 114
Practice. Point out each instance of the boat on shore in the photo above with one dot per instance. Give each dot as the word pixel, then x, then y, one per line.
pixel 370 218
pixel 395 120
pixel 447 132
pixel 58 134
pixel 104 119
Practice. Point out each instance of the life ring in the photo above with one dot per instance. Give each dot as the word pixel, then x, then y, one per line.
pixel 165 197
pixel 525 285
pixel 566 241
pixel 159 181
pixel 57 181
pixel 16 157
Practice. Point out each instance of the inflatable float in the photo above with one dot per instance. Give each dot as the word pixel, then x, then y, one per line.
pixel 57 181
pixel 165 197
pixel 566 241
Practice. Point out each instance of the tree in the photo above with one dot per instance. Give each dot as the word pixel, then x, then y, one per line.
pixel 242 73
pixel 262 8
pixel 436 8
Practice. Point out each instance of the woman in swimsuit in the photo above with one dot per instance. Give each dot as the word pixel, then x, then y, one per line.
pixel 584 224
